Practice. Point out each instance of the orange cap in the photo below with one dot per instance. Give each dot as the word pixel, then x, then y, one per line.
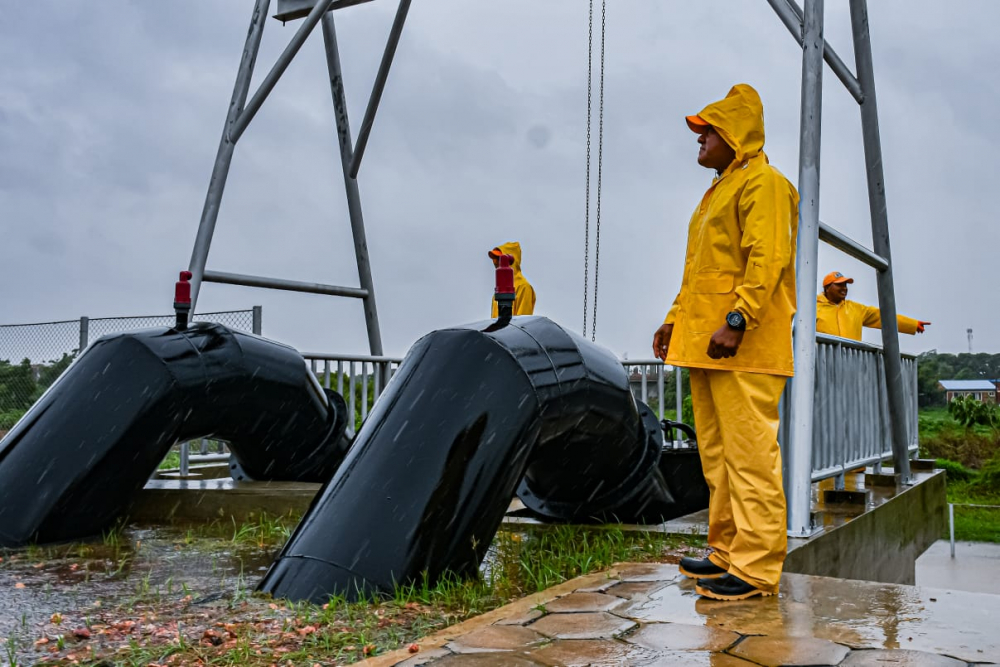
pixel 836 277
pixel 697 124
pixel 495 253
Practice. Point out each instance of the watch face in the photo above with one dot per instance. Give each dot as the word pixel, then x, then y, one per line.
pixel 735 320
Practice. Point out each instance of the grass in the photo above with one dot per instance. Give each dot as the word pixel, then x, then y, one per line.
pixel 171 461
pixel 971 487
pixel 163 623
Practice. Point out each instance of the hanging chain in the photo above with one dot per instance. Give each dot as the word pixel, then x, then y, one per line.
pixel 586 218
pixel 600 165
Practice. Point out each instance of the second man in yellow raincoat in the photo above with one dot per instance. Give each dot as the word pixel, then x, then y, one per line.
pixel 524 293
pixel 837 316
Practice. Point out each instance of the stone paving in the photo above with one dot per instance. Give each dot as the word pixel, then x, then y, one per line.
pixel 649 614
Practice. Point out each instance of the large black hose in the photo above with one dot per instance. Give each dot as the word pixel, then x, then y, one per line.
pixel 72 465
pixel 470 413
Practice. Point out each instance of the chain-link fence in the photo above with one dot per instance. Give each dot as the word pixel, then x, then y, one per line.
pixel 32 356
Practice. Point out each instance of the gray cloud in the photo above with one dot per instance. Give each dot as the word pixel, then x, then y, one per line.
pixel 110 115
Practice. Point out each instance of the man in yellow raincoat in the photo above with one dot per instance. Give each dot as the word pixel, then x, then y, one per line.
pixel 524 293
pixel 837 316
pixel 731 325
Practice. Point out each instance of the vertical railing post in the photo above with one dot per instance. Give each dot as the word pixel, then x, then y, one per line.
pixel 659 389
pixel 185 458
pixel 84 334
pixel 224 156
pixel 951 527
pixel 880 238
pixel 799 449
pixel 351 184
pixel 258 315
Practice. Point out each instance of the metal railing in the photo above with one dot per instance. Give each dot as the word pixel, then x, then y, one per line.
pixel 363 376
pixel 851 418
pixel 32 356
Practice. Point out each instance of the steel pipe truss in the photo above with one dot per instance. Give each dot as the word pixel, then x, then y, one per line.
pixel 807 27
pixel 241 113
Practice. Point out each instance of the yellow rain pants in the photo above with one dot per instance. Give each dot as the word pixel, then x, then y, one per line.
pixel 736 414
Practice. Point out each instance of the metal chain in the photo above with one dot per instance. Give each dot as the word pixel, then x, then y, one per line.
pixel 586 223
pixel 600 165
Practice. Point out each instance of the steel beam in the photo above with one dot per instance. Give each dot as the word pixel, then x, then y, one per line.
pixel 851 247
pixel 279 67
pixel 880 237
pixel 287 285
pixel 351 184
pixel 380 79
pixel 799 450
pixel 791 15
pixel 289 10
pixel 224 156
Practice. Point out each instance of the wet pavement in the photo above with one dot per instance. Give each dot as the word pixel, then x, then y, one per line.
pixel 975 567
pixel 649 614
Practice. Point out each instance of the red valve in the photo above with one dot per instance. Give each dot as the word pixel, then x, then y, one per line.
pixel 505 275
pixel 182 290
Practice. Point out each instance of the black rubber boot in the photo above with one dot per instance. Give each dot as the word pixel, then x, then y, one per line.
pixel 728 587
pixel 700 568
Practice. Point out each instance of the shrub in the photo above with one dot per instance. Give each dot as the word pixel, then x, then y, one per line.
pixel 9 418
pixel 988 480
pixel 969 412
pixel 970 449
pixel 956 471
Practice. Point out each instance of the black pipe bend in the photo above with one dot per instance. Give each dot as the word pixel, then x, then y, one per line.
pixel 73 463
pixel 470 413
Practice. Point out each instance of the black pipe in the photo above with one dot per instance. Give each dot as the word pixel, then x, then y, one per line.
pixel 468 414
pixel 73 463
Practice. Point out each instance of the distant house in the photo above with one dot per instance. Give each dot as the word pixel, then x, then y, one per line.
pixel 981 390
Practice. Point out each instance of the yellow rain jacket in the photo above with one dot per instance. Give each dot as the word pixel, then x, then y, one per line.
pixel 846 319
pixel 740 252
pixel 524 293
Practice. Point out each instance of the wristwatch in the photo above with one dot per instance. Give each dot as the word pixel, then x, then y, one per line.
pixel 736 321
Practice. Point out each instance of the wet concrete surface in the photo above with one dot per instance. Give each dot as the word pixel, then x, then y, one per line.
pixel 975 567
pixel 662 621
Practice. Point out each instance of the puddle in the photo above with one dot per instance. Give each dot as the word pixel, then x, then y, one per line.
pixel 66 589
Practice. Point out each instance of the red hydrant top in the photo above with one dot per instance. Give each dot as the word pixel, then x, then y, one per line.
pixel 182 290
pixel 505 275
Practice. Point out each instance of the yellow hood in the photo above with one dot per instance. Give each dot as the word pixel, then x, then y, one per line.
pixel 739 120
pixel 514 250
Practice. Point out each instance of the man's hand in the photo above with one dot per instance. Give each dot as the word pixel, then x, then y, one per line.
pixel 661 341
pixel 921 324
pixel 725 341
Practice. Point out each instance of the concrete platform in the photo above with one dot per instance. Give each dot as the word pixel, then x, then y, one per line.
pixel 648 614
pixel 225 499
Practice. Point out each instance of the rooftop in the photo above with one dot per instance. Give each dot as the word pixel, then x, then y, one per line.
pixel 967 385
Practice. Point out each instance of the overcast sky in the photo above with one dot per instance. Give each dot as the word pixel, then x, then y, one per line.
pixel 111 112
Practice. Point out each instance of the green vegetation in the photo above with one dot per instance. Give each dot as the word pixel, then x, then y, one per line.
pixel 965 441
pixel 152 621
pixel 19 386
pixel 933 367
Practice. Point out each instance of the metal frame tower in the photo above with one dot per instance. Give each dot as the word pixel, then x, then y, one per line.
pixel 807 28
pixel 242 112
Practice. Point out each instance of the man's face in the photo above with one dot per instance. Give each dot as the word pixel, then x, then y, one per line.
pixel 836 292
pixel 714 152
pixel 496 260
